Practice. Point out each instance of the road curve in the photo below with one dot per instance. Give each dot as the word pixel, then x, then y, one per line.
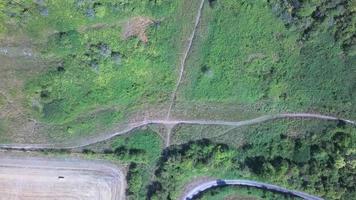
pixel 171 123
pixel 265 186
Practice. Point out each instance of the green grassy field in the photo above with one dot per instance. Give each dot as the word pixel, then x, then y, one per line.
pixel 89 75
pixel 95 77
pixel 246 56
pixel 247 59
pixel 77 68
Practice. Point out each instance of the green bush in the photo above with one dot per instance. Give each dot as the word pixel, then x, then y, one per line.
pixel 319 161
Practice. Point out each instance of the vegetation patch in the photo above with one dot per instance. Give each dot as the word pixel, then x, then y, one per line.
pixel 309 17
pixel 109 59
pixel 100 54
pixel 84 126
pixel 2 101
pixel 249 56
pixel 4 134
pixel 310 162
pixel 241 193
pixel 141 150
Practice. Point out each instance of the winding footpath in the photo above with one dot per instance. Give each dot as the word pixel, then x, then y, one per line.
pixel 171 123
pixel 184 59
pixel 265 186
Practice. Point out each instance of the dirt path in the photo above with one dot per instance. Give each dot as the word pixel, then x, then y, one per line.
pixel 265 186
pixel 171 124
pixel 184 59
pixel 34 178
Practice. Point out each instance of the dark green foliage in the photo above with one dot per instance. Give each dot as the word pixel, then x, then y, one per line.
pixel 241 193
pixel 319 161
pixel 311 17
pixel 177 162
pixel 141 149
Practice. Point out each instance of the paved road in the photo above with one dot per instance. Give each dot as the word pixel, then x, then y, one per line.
pixel 171 123
pixel 265 186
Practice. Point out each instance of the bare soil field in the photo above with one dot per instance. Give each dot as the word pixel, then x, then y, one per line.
pixel 39 179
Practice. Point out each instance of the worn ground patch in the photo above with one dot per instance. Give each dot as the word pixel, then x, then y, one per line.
pixel 137 27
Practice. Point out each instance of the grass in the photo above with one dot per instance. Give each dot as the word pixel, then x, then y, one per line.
pixel 245 61
pixel 142 150
pixel 138 152
pixel 242 193
pixel 3 131
pixel 2 101
pixel 92 79
pixel 264 132
pixel 246 57
pixel 184 133
pixel 145 140
pixel 92 67
pixel 84 125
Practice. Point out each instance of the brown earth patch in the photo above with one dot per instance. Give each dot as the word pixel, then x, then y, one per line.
pixel 136 27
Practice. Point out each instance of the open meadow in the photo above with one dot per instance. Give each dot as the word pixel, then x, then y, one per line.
pixel 177 99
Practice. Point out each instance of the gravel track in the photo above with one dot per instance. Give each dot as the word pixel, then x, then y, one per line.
pixel 36 179
pixel 265 186
pixel 170 123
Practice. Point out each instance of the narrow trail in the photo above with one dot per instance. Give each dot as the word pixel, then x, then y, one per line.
pixel 184 59
pixel 169 134
pixel 265 186
pixel 168 123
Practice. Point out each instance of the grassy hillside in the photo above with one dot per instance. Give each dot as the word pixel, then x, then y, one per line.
pixel 72 69
pixel 247 55
pixel 105 59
